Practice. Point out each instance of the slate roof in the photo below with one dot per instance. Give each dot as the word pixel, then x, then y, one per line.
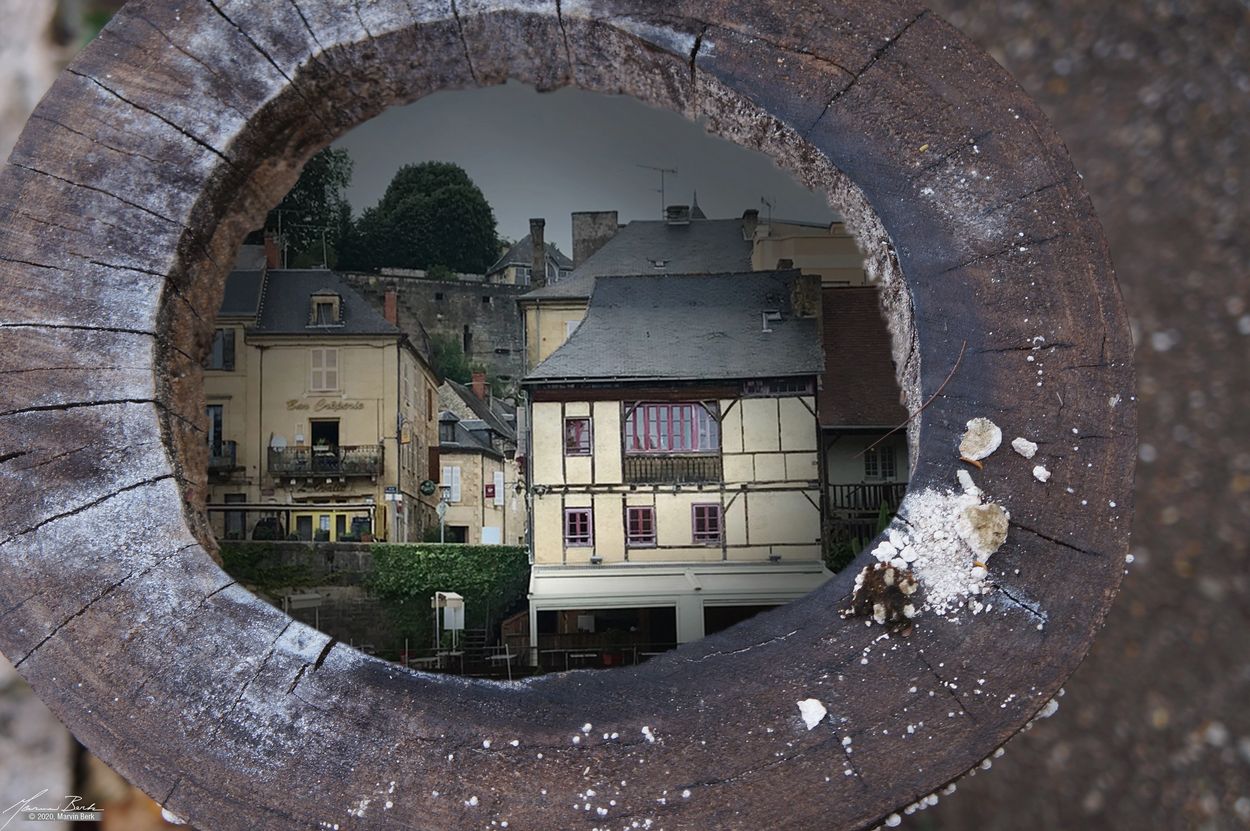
pixel 471 436
pixel 687 327
pixel 484 411
pixel 284 306
pixel 522 253
pixel 242 295
pixel 703 246
pixel 858 388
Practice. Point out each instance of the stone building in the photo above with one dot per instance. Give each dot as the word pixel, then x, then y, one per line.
pixel 482 317
pixel 478 466
pixel 321 413
pixel 676 474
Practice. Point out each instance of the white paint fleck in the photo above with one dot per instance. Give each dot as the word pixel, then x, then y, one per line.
pixel 812 712
pixel 1024 447
pixel 1041 474
pixel 471 802
pixel 646 732
pixel 172 818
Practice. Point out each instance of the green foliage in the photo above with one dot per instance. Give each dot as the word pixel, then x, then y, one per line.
pixel 259 564
pixel 315 209
pixel 494 580
pixel 431 216
pixel 448 358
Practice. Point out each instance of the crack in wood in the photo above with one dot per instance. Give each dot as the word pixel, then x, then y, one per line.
pixel 88 506
pixel 1035 611
pixel 855 76
pixel 112 587
pixel 1013 247
pixel 464 43
pixel 281 72
pixel 721 654
pixel 564 33
pixel 177 127
pixel 1056 540
pixel 945 685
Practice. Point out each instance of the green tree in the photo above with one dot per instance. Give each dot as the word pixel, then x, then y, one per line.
pixel 314 210
pixel 432 214
pixel 448 358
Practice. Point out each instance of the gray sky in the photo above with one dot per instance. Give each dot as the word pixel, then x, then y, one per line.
pixel 554 153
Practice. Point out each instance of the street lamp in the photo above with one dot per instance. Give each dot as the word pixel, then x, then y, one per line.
pixel 444 496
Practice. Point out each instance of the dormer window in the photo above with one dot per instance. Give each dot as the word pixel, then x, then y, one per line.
pixel 325 310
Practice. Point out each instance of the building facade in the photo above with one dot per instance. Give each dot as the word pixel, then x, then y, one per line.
pixel 675 472
pixel 478 467
pixel 321 414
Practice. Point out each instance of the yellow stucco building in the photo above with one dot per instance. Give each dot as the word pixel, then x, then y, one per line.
pixel 675 467
pixel 321 414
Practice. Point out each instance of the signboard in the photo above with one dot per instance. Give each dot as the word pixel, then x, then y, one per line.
pixel 392 493
pixel 490 490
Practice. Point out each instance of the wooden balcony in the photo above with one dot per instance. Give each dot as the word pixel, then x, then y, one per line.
pixel 672 470
pixel 294 462
pixel 866 497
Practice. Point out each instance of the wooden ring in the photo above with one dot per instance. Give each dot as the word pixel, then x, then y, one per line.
pixel 172 134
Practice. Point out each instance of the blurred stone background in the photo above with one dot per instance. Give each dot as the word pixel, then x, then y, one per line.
pixel 1153 100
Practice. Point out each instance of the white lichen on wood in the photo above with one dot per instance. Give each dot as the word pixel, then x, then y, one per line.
pixel 981 438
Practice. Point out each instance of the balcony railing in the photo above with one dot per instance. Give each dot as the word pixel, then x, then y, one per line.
pixel 363 460
pixel 866 497
pixel 672 470
pixel 223 457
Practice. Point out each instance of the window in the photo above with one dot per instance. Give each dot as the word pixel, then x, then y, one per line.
pixel 325 370
pixel 670 428
pixel 485 299
pixel 446 432
pixel 879 463
pixel 215 416
pixel 570 326
pixel 429 403
pixel 577 437
pixel 324 310
pixel 221 356
pixel 578 529
pixel 451 479
pixel 640 526
pixel 778 386
pixel 706 520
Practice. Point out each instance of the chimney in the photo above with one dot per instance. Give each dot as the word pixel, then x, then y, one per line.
pixel 390 307
pixel 677 215
pixel 805 296
pixel 273 257
pixel 479 382
pixel 591 230
pixel 538 244
pixel 750 219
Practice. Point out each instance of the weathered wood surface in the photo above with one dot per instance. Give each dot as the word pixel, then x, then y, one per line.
pixel 169 137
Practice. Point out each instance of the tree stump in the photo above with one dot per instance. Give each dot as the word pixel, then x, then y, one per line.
pixel 172 134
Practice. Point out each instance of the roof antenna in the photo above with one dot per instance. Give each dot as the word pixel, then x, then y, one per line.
pixel 768 204
pixel 661 171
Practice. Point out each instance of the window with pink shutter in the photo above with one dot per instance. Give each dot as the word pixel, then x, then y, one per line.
pixel 578 528
pixel 670 428
pixel 707 525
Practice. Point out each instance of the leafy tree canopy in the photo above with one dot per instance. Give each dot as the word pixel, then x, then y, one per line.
pixel 448 358
pixel 315 206
pixel 432 215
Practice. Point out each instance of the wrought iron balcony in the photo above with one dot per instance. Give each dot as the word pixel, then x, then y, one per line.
pixel 362 460
pixel 672 470
pixel 223 457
